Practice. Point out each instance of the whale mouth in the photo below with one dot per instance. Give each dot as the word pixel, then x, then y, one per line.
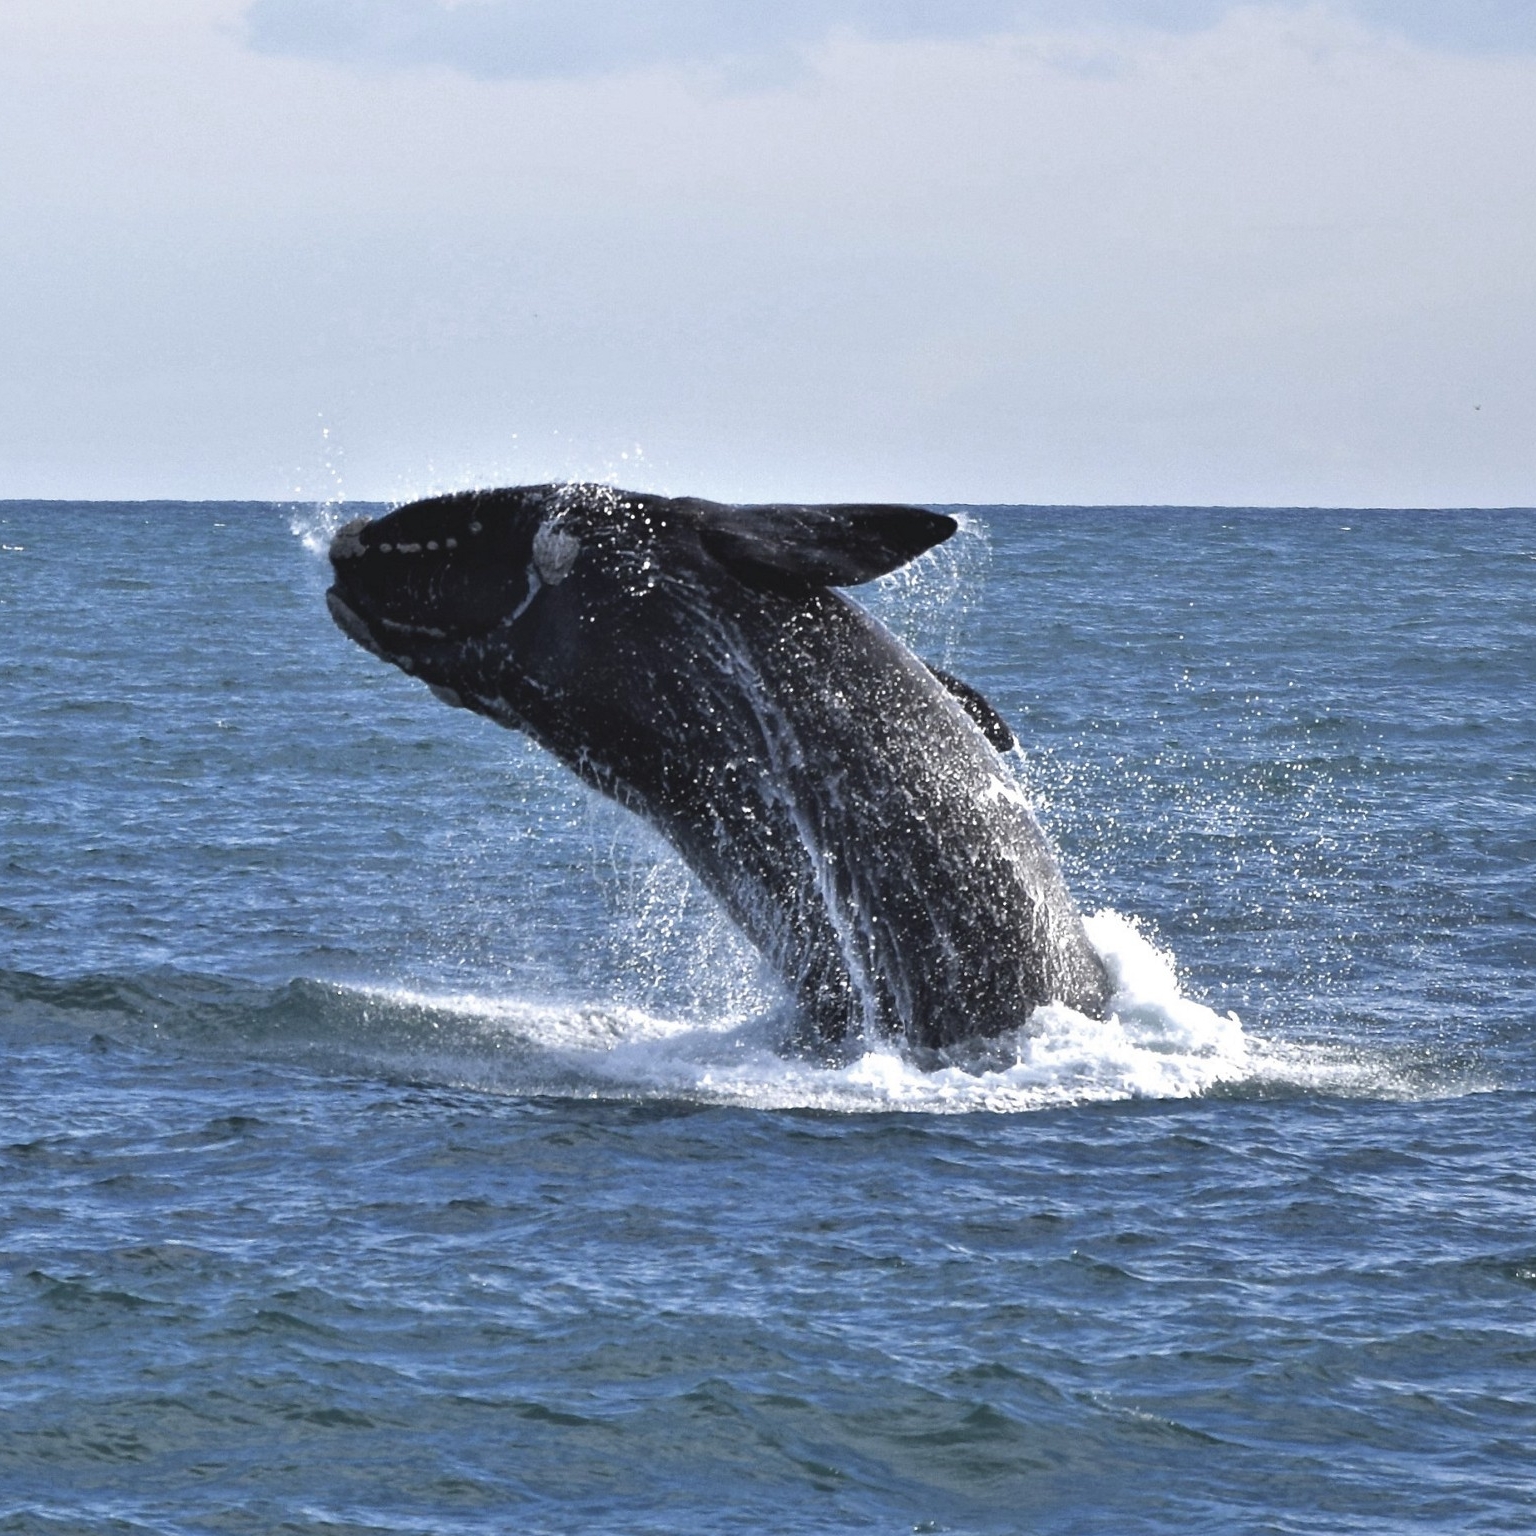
pixel 353 626
pixel 407 646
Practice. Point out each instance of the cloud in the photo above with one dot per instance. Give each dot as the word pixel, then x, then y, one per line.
pixel 1275 259
pixel 533 39
pixel 1496 26
pixel 543 38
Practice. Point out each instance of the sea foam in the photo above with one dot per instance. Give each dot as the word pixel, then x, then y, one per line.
pixel 1156 1043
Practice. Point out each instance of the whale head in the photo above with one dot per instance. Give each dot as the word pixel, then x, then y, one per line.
pixel 437 585
pixel 417 585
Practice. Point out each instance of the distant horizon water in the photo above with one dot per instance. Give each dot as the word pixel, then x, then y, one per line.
pixel 289 502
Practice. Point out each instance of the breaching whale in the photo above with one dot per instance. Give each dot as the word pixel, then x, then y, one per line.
pixel 845 803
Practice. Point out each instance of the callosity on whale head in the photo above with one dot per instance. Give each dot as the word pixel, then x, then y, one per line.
pixel 844 802
pixel 431 575
pixel 466 564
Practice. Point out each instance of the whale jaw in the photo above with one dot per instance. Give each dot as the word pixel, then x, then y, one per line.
pixel 351 625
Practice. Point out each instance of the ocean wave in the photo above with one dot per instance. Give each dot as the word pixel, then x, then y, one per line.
pixel 1156 1043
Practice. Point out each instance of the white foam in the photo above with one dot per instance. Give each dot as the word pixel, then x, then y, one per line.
pixel 1156 1043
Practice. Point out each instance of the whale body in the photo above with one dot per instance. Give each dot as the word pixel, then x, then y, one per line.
pixel 845 803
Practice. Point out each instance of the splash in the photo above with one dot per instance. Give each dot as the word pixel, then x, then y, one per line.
pixel 1156 1044
pixel 314 524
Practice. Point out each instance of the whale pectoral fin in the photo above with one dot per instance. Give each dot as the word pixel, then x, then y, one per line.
pixel 975 704
pixel 785 548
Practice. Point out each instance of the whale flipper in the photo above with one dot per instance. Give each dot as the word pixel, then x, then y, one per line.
pixel 979 708
pixel 783 547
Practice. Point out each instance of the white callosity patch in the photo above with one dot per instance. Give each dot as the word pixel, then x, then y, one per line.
pixel 347 545
pixel 535 586
pixel 554 552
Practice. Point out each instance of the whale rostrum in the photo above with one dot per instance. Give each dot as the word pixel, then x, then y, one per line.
pixel 845 803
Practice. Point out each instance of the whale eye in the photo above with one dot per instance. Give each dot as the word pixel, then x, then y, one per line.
pixel 384 549
pixel 474 527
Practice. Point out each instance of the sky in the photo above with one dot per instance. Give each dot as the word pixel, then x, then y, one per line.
pixel 1115 251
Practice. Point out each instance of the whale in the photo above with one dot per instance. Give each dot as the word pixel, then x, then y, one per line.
pixel 849 806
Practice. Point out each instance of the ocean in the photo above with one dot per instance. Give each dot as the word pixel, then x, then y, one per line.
pixel 392 1137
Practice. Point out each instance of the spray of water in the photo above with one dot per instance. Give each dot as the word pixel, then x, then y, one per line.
pixel 1156 1044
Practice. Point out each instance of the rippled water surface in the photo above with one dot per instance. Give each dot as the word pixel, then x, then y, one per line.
pixel 393 1139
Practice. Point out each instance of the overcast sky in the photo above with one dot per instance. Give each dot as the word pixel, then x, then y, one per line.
pixel 933 250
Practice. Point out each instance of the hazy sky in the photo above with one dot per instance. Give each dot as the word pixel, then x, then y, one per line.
pixel 943 250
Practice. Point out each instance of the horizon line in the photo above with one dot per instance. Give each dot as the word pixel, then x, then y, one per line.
pixel 291 502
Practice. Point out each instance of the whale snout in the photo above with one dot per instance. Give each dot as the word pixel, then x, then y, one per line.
pixel 351 596
pixel 347 548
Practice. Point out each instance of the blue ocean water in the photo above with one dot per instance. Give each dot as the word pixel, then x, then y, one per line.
pixel 391 1138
